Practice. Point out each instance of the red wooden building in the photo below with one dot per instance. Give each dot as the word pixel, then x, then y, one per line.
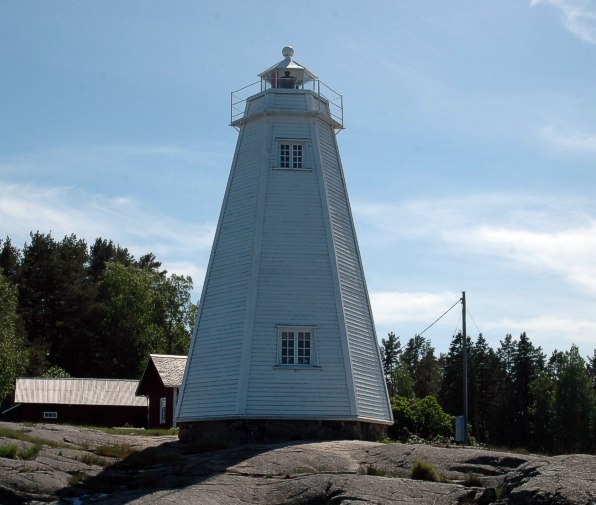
pixel 160 383
pixel 97 402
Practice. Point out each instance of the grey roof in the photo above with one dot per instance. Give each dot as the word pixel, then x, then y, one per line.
pixel 170 368
pixel 108 392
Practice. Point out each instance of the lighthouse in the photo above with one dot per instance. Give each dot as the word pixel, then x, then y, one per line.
pixel 284 344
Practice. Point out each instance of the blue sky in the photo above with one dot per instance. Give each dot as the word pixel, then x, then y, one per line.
pixel 469 149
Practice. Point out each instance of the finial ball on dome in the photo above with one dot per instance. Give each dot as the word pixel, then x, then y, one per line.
pixel 287 52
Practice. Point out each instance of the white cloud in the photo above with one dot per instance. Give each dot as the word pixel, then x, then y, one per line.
pixel 579 17
pixel 572 141
pixel 556 331
pixel 393 307
pixel 569 253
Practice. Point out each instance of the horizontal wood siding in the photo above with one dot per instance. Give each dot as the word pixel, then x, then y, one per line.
pixel 371 397
pixel 211 384
pixel 284 100
pixel 295 288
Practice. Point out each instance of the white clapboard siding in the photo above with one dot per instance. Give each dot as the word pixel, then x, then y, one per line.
pixel 285 253
pixel 367 373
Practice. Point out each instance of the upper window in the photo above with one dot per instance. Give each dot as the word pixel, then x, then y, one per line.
pixel 296 346
pixel 291 155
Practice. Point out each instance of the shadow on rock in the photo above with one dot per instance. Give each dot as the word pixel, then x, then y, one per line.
pixel 171 465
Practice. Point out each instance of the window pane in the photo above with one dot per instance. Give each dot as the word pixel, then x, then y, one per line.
pixel 287 347
pixel 284 155
pixel 162 411
pixel 304 348
pixel 297 156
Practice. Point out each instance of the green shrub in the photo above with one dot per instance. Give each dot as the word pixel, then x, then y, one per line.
pixel 422 418
pixel 424 471
pixel 9 451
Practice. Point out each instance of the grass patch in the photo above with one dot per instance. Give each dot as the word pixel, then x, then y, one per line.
pixel 141 432
pixel 77 478
pixel 20 435
pixel 93 460
pixel 12 451
pixel 372 469
pixel 472 480
pixel 9 451
pixel 31 452
pixel 114 450
pixel 423 470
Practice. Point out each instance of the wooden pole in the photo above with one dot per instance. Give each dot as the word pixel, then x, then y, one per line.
pixel 465 364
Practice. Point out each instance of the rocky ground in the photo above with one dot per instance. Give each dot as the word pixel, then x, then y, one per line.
pixel 80 466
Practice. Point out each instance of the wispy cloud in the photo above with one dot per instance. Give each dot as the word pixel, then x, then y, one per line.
pixel 549 234
pixel 65 210
pixel 572 141
pixel 579 17
pixel 111 158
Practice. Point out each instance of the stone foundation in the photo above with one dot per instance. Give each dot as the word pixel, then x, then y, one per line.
pixel 278 430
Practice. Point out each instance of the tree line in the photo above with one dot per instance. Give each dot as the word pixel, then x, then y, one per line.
pixel 517 396
pixel 70 309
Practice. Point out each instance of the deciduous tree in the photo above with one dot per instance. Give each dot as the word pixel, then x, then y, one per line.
pixel 13 357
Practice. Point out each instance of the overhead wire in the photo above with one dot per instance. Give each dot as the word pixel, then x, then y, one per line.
pixel 457 326
pixel 472 318
pixel 440 317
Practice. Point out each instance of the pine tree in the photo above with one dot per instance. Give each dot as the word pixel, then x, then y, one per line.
pixel 451 392
pixel 575 405
pixel 10 261
pixel 390 350
pixel 542 412
pixel 418 355
pixel 484 377
pixel 528 362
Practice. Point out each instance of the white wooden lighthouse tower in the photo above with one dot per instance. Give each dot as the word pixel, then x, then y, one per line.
pixel 284 344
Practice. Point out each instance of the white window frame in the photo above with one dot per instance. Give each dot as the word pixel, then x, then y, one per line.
pixel 297 358
pixel 163 405
pixel 291 155
pixel 50 415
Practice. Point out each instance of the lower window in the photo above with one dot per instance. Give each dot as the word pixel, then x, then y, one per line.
pixel 50 415
pixel 296 346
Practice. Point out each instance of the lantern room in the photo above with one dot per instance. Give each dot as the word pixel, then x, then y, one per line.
pixel 287 74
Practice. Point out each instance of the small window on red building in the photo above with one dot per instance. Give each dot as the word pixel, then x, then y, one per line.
pixel 162 411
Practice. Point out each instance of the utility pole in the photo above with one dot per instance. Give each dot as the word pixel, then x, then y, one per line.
pixel 465 363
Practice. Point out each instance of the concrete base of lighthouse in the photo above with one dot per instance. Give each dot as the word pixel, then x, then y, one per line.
pixel 279 430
